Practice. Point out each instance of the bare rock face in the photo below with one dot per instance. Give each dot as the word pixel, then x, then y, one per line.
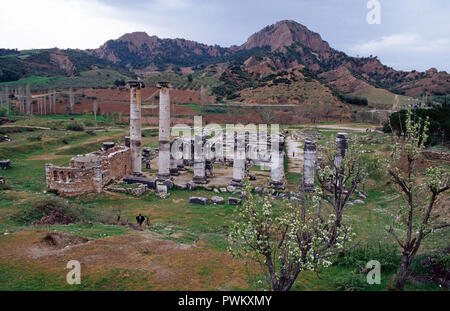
pixel 63 62
pixel 144 47
pixel 285 33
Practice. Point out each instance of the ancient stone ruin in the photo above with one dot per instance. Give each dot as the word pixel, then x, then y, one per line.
pixel 233 152
pixel 89 172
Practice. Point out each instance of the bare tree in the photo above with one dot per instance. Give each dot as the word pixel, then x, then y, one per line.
pixel 95 109
pixel 203 98
pixel 71 101
pixel 416 213
pixel 28 100
pixel 54 101
pixel 267 114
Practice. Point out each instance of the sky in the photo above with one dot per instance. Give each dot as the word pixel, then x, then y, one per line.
pixel 412 34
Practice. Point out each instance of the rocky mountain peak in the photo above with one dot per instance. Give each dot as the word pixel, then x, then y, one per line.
pixel 285 33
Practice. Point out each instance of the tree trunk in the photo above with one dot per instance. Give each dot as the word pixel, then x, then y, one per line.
pixel 403 272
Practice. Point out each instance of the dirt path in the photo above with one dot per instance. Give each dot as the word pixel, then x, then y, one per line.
pixel 346 128
pixel 160 264
pixel 295 155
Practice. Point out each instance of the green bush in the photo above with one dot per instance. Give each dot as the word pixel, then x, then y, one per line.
pixel 351 282
pixel 48 206
pixel 88 123
pixel 75 126
pixel 35 138
pixel 387 254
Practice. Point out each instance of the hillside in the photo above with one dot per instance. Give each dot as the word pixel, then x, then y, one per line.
pixel 227 72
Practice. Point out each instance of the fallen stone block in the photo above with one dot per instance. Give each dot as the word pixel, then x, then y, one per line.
pixel 217 200
pixel 231 188
pixel 191 185
pixel 169 184
pixel 198 200
pixel 5 164
pixel 151 183
pixel 161 188
pixel 234 201
pixel 363 195
pixel 180 187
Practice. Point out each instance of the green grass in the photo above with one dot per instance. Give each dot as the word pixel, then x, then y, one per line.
pixel 171 219
pixel 34 80
pixel 91 231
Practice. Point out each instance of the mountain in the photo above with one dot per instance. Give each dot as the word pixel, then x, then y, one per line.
pixel 234 72
pixel 284 34
pixel 292 43
pixel 138 50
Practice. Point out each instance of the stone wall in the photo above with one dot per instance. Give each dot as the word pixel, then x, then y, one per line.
pixel 437 156
pixel 90 172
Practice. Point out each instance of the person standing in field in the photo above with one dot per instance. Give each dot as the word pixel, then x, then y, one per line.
pixel 140 219
pixel 147 223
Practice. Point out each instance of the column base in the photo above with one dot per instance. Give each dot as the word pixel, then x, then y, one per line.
pixel 163 177
pixel 199 180
pixel 174 172
pixel 237 183
pixel 309 188
pixel 278 185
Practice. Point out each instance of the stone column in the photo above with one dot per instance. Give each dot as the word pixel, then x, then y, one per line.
pixel 309 162
pixel 135 127
pixel 277 170
pixel 341 148
pixel 199 170
pixel 173 162
pixel 164 132
pixel 239 163
pixel 180 161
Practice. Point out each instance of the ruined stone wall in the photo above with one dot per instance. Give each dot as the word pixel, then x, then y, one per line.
pixel 89 173
pixel 116 164
pixel 437 156
pixel 71 181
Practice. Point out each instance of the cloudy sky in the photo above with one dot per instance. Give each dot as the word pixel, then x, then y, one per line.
pixel 413 34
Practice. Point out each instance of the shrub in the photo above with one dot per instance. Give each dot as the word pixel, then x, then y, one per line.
pixel 88 123
pixel 386 254
pixel 35 138
pixel 58 207
pixel 75 126
pixel 351 282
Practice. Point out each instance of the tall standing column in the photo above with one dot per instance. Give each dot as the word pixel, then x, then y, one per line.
pixel 164 132
pixel 135 126
pixel 309 160
pixel 239 163
pixel 277 170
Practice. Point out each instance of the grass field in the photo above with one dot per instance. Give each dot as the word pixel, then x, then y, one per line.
pixel 185 247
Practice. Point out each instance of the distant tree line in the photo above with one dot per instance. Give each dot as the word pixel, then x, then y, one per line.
pixel 439 128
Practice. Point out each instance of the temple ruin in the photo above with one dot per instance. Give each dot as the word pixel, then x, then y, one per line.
pixel 185 162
